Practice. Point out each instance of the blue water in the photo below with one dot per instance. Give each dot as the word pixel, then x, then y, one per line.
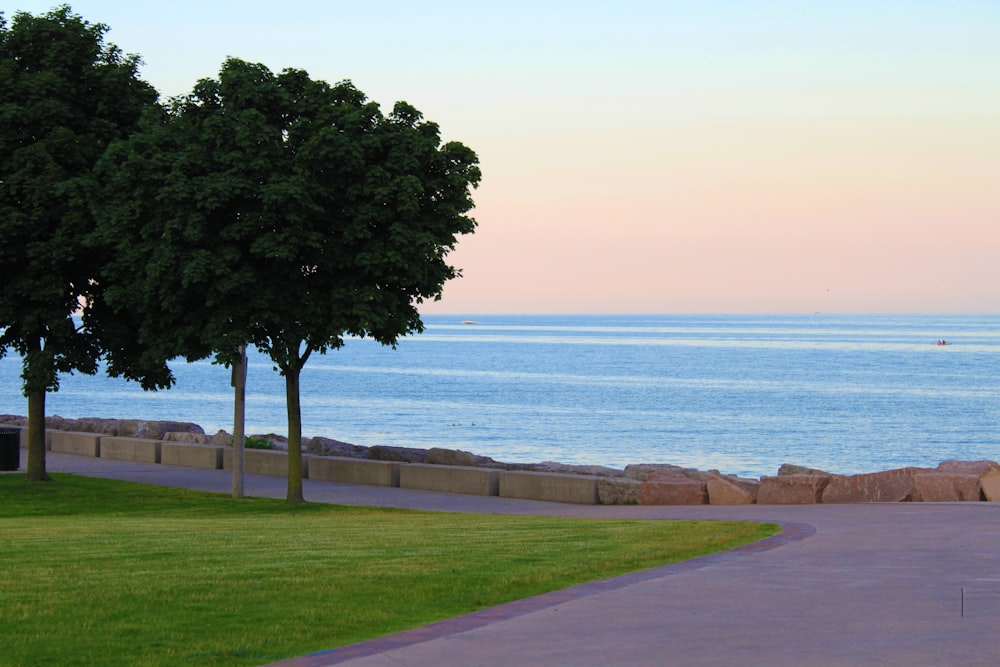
pixel 741 394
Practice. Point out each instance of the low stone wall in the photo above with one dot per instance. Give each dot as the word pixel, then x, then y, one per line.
pixel 950 481
pixel 449 479
pixel 191 455
pixel 130 449
pixel 77 444
pixel 557 488
pixel 354 471
pixel 264 462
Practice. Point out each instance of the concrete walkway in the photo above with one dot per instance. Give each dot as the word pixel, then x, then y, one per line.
pixel 888 584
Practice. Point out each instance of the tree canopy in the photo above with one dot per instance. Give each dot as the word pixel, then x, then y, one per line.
pixel 278 211
pixel 65 95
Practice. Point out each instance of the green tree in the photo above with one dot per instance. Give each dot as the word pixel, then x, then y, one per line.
pixel 282 212
pixel 64 96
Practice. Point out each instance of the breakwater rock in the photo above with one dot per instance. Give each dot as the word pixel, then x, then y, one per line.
pixel 642 483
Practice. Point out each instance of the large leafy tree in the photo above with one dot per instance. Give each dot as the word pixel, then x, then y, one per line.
pixel 65 95
pixel 283 212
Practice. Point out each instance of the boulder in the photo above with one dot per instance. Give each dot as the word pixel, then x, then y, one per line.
pixel 643 471
pixel 400 454
pixel 321 446
pixel 792 489
pixel 947 487
pixel 123 428
pixel 672 490
pixel 731 491
pixel 990 483
pixel 889 486
pixel 787 469
pixel 968 467
pixel 565 469
pixel 618 491
pixel 221 438
pixel 457 457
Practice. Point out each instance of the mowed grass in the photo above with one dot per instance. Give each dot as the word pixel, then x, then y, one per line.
pixel 102 572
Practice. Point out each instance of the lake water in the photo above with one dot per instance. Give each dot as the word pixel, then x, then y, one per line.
pixel 742 394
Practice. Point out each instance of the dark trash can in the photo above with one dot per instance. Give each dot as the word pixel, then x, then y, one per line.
pixel 10 448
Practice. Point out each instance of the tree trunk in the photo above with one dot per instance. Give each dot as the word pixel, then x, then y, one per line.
pixel 36 437
pixel 294 494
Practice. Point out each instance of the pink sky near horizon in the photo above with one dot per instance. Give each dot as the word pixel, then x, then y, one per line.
pixel 662 157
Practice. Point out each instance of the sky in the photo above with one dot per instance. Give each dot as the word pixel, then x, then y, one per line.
pixel 698 156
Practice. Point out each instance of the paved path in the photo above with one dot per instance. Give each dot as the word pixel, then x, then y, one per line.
pixel 889 584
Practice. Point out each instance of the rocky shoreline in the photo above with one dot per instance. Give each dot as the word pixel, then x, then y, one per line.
pixel 642 483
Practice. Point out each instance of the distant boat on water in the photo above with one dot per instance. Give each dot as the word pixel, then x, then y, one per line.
pixel 469 322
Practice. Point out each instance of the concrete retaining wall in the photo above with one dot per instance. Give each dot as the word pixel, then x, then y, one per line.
pixel 130 449
pixel 264 462
pixel 579 489
pixel 450 479
pixel 191 455
pixel 354 471
pixel 78 444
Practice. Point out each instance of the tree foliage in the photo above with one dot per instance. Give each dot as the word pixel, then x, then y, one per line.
pixel 283 212
pixel 64 96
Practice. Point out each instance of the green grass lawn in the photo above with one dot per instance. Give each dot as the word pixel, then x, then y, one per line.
pixel 102 572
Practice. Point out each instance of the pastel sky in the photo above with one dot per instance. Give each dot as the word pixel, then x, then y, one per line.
pixel 665 157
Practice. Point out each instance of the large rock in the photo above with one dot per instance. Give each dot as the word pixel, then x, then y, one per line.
pixel 889 486
pixel 124 428
pixel 968 467
pixel 457 457
pixel 221 438
pixel 400 454
pixel 731 491
pixel 792 489
pixel 645 471
pixel 668 489
pixel 990 483
pixel 321 446
pixel 947 487
pixel 618 491
pixel 565 469
pixel 786 469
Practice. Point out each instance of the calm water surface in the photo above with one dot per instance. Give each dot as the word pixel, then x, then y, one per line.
pixel 742 394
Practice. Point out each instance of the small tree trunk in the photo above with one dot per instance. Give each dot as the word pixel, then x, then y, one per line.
pixel 294 494
pixel 36 437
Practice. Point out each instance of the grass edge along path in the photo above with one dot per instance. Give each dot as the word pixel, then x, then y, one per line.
pixel 104 572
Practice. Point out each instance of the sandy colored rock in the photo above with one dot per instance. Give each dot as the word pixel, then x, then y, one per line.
pixel 670 490
pixel 564 468
pixel 787 469
pixel 968 467
pixel 889 486
pixel 221 438
pixel 947 487
pixel 792 490
pixel 990 483
pixel 646 471
pixel 618 491
pixel 727 491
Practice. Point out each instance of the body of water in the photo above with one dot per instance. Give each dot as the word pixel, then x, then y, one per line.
pixel 741 394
